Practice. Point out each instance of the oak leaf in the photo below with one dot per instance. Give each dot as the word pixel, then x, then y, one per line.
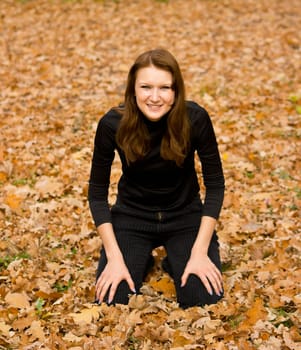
pixel 257 312
pixel 49 186
pixel 180 339
pixel 36 330
pixel 18 300
pixel 5 330
pixel 164 285
pixel 86 315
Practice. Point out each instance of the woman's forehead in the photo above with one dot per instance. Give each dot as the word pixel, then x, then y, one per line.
pixel 153 74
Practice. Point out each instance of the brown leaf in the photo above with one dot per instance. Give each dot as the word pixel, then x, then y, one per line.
pixel 49 186
pixel 257 312
pixel 5 330
pixel 36 331
pixel 180 340
pixel 18 300
pixel 86 315
pixel 164 285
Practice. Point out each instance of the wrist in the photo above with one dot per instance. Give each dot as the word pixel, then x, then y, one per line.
pixel 114 255
pixel 199 250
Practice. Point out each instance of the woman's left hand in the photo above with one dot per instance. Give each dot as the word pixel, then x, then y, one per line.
pixel 202 266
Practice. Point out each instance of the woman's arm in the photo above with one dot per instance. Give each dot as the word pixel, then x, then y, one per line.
pixel 115 270
pixel 199 263
pixel 104 147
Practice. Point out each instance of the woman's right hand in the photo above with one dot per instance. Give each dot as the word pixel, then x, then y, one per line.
pixel 114 272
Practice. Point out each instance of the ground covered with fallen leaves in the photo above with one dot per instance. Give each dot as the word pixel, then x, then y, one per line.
pixel 63 64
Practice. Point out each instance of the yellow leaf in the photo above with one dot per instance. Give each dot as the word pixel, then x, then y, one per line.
pixel 225 156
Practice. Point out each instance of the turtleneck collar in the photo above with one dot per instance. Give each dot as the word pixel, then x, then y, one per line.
pixel 154 125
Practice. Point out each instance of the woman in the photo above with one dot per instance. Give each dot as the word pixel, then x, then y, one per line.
pixel 156 133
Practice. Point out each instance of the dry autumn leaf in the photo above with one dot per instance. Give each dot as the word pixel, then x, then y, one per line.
pixel 36 331
pixel 63 65
pixel 86 315
pixel 164 285
pixel 5 330
pixel 18 300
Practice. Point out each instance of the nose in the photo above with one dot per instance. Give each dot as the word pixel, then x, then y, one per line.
pixel 155 96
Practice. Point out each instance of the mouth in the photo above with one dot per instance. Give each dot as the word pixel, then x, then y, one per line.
pixel 154 107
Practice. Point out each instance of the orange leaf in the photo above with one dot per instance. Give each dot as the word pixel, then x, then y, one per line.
pixel 255 313
pixel 164 285
pixel 13 201
pixel 179 340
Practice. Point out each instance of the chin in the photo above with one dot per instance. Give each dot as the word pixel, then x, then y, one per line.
pixel 154 118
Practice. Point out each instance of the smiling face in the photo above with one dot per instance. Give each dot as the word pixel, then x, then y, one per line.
pixel 154 92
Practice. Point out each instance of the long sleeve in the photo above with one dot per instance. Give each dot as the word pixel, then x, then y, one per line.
pixel 155 184
pixel 103 155
pixel 212 172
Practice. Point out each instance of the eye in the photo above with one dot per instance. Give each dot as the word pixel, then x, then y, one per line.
pixel 166 87
pixel 146 87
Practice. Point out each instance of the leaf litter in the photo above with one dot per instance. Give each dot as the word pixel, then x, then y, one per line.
pixel 64 64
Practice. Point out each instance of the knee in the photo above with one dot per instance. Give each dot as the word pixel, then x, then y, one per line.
pixel 194 293
pixel 121 296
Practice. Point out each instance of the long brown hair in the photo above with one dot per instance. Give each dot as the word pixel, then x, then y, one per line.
pixel 132 135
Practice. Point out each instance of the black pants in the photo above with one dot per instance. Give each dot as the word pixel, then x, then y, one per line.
pixel 138 233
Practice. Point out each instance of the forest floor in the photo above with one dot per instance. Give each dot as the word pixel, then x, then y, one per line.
pixel 63 65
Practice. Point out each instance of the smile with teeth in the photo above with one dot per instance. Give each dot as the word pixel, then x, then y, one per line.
pixel 154 107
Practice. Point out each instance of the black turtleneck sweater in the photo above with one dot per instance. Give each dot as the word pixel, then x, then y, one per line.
pixel 155 184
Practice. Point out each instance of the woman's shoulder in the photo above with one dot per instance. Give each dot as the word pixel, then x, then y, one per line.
pixel 196 112
pixel 111 118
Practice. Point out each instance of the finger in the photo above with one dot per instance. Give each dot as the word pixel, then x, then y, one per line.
pixel 215 283
pixel 99 286
pixel 184 278
pixel 98 289
pixel 218 273
pixel 207 285
pixel 103 291
pixel 131 284
pixel 100 281
pixel 112 293
pixel 219 280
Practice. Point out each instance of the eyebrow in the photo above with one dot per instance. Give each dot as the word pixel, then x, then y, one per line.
pixel 147 83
